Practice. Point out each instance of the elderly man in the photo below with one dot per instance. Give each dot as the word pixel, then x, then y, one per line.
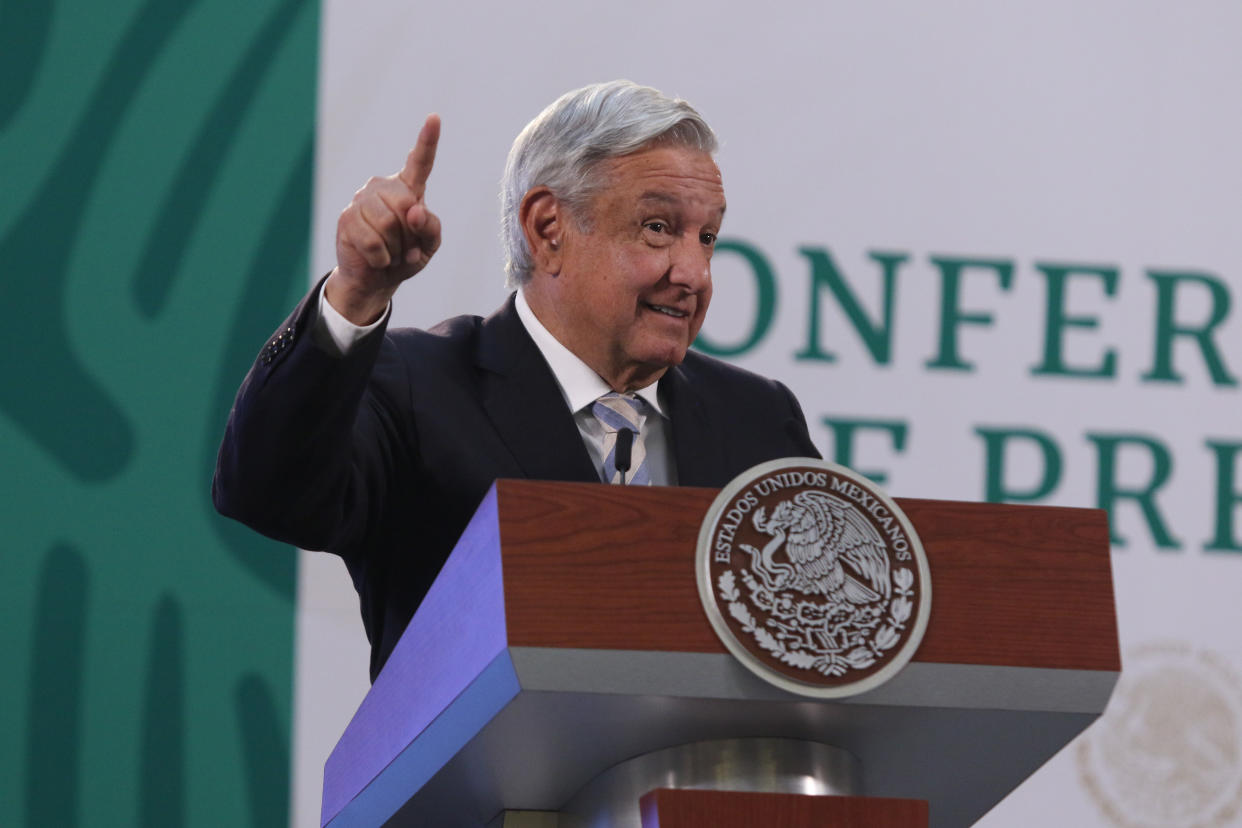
pixel 378 444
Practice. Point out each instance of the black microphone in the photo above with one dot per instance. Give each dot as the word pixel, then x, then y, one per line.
pixel 621 457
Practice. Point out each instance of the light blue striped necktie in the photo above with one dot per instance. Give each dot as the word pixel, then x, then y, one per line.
pixel 616 412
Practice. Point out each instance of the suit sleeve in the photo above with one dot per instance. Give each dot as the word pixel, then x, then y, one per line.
pixel 314 440
pixel 795 426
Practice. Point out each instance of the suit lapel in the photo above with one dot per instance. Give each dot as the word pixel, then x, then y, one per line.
pixel 698 447
pixel 525 404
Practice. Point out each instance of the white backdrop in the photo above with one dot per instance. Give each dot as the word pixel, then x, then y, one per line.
pixel 1028 135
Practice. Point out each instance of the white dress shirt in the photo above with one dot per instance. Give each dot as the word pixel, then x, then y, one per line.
pixel 580 386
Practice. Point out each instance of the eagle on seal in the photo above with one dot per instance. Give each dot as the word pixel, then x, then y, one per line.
pixel 832 550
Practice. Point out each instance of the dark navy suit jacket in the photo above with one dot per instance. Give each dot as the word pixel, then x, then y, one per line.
pixel 382 456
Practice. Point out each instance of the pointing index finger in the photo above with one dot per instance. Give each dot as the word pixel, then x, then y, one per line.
pixel 419 162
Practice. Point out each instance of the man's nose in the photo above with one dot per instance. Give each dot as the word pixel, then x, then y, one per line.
pixel 690 264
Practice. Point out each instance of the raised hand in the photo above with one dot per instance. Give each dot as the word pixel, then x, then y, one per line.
pixel 385 235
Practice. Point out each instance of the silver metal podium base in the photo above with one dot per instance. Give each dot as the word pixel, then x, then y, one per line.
pixel 610 800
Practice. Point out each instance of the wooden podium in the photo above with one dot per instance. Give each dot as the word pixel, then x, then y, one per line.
pixel 565 635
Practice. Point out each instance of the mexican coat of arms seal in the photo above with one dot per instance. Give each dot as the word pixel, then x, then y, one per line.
pixel 813 578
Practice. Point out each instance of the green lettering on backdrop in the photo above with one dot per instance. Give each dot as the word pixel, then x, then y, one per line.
pixel 877 336
pixel 996 443
pixel 1109 490
pixel 843 433
pixel 157 183
pixel 1168 328
pixel 1057 320
pixel 765 301
pixel 1225 538
pixel 952 316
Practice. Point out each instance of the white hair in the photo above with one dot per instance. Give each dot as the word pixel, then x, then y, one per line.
pixel 561 146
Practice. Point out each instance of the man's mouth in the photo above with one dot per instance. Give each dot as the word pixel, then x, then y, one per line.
pixel 668 311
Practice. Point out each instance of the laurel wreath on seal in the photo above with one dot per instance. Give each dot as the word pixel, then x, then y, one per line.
pixel 830 664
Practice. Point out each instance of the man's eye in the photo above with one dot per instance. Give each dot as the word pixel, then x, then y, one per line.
pixel 656 226
pixel 708 238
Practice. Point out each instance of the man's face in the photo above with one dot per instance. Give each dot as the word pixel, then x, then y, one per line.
pixel 635 277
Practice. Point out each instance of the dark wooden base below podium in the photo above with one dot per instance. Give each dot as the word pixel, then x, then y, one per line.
pixel 667 808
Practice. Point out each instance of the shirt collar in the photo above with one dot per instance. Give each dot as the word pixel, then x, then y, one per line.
pixel 579 385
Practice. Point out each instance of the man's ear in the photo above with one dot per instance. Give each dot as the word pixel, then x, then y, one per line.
pixel 544 221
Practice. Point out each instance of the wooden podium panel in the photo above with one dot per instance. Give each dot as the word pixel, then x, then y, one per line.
pixel 669 808
pixel 1011 585
pixel 565 634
